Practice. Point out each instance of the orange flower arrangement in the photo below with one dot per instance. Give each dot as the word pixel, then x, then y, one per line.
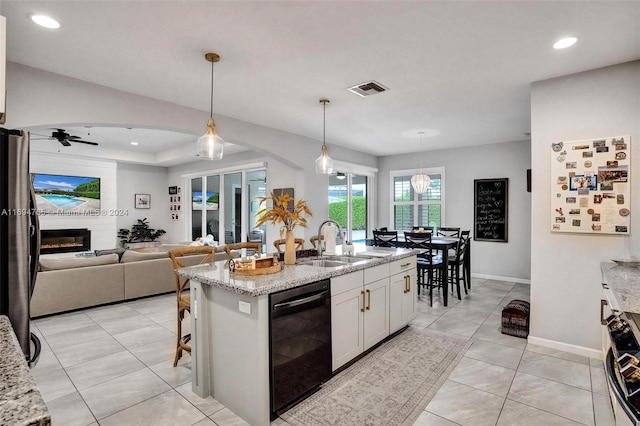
pixel 280 212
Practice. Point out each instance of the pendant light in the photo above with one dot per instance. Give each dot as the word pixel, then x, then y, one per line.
pixel 210 145
pixel 420 181
pixel 341 176
pixel 324 163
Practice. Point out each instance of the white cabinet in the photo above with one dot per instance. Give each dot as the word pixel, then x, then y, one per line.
pixel 402 296
pixel 376 313
pixel 361 307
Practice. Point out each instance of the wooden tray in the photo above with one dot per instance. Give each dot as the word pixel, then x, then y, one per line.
pixel 257 271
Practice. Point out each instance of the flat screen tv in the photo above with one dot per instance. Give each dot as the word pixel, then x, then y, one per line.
pixel 211 200
pixel 67 195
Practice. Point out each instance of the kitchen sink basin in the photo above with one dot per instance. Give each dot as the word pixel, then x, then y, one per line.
pixel 324 263
pixel 348 259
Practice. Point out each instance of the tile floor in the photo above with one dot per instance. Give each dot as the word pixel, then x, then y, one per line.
pixel 112 365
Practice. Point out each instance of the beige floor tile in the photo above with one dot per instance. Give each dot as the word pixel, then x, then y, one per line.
pixel 560 370
pixel 73 337
pixel 63 323
pixel 120 393
pixel 603 411
pixel 208 405
pixel 554 397
pixel 484 376
pixel 105 313
pixel 492 334
pixel 88 351
pixel 174 376
pixel 142 336
pixel 226 417
pixel 162 350
pixel 493 353
pixel 516 414
pixel 54 385
pixel 465 405
pixel 115 326
pixel 447 325
pixel 430 419
pixel 166 409
pixel 70 410
pixel 599 381
pixel 103 369
pixel 557 353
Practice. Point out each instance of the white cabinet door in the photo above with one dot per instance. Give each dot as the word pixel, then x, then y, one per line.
pixel 347 326
pixel 376 314
pixel 402 299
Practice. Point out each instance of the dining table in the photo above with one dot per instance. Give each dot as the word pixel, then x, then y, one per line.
pixel 442 244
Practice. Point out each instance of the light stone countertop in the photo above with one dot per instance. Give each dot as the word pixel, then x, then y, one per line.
pixel 624 282
pixel 20 400
pixel 290 276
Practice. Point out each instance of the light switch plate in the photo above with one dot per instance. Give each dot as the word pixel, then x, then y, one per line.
pixel 244 307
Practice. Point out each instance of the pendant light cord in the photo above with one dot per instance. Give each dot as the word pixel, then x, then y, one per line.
pixel 211 107
pixel 324 123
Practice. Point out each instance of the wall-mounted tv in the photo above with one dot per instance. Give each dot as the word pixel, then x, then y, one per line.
pixel 67 195
pixel 211 200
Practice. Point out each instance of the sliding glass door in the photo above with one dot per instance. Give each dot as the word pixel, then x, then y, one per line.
pixel 348 204
pixel 224 206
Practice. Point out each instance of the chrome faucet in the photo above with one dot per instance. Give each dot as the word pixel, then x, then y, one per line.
pixel 320 234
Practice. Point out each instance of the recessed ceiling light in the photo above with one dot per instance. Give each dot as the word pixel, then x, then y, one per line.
pixel 45 21
pixel 134 143
pixel 563 43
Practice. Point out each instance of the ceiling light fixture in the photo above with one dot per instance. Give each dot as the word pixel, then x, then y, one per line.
pixel 210 145
pixel 563 43
pixel 420 181
pixel 324 163
pixel 45 21
pixel 133 143
pixel 340 176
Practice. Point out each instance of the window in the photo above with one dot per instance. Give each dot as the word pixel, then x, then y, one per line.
pixel 409 209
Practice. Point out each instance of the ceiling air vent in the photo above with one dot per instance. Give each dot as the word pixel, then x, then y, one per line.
pixel 368 88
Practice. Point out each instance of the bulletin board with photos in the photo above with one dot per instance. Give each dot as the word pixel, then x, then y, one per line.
pixel 590 186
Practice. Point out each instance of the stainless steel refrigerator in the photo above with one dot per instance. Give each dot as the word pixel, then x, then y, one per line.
pixel 19 237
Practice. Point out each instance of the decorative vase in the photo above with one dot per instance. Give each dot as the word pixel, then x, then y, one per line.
pixel 289 249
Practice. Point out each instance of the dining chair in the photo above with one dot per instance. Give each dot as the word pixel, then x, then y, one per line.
pixel 183 300
pixel 314 240
pixel 429 266
pixel 448 232
pixel 385 238
pixel 279 244
pixel 251 248
pixel 457 262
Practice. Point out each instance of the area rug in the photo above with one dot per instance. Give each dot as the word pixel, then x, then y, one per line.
pixel 390 386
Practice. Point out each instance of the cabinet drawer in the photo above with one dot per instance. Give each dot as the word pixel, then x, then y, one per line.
pixel 346 282
pixel 399 266
pixel 376 273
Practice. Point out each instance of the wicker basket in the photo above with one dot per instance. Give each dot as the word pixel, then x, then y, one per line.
pixel 515 318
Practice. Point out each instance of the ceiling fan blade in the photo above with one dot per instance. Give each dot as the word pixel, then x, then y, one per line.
pixel 65 142
pixel 80 141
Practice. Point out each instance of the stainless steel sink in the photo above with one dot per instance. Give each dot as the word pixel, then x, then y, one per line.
pixel 324 263
pixel 348 259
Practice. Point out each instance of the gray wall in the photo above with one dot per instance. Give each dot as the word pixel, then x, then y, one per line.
pixel 511 160
pixel 565 273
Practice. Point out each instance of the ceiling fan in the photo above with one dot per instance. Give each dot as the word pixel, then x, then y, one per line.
pixel 65 138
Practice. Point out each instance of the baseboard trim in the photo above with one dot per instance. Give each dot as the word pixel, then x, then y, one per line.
pixel 499 278
pixel 566 347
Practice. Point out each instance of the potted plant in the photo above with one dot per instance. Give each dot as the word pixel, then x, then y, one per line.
pixel 287 213
pixel 140 232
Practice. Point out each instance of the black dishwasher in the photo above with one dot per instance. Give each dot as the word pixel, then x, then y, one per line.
pixel 299 342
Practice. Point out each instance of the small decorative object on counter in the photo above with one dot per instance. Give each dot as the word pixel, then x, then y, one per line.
pixel 289 214
pixel 515 318
pixel 255 266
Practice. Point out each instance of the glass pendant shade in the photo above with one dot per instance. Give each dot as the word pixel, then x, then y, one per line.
pixel 420 183
pixel 210 145
pixel 324 163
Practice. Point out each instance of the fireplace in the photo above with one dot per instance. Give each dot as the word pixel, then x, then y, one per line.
pixel 64 240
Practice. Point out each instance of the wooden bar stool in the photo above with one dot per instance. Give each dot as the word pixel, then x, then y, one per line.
pixel 183 300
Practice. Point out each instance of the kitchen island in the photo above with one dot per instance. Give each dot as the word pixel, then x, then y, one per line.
pixel 372 296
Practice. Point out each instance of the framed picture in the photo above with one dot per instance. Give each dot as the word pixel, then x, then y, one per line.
pixel 143 201
pixel 173 190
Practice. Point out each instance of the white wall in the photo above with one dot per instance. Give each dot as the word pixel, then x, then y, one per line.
pixel 565 268
pixel 138 179
pixel 507 160
pixel 102 227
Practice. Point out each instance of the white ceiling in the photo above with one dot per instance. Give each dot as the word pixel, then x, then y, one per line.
pixel 461 69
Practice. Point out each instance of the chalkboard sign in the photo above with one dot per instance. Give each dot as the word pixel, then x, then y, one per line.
pixel 491 207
